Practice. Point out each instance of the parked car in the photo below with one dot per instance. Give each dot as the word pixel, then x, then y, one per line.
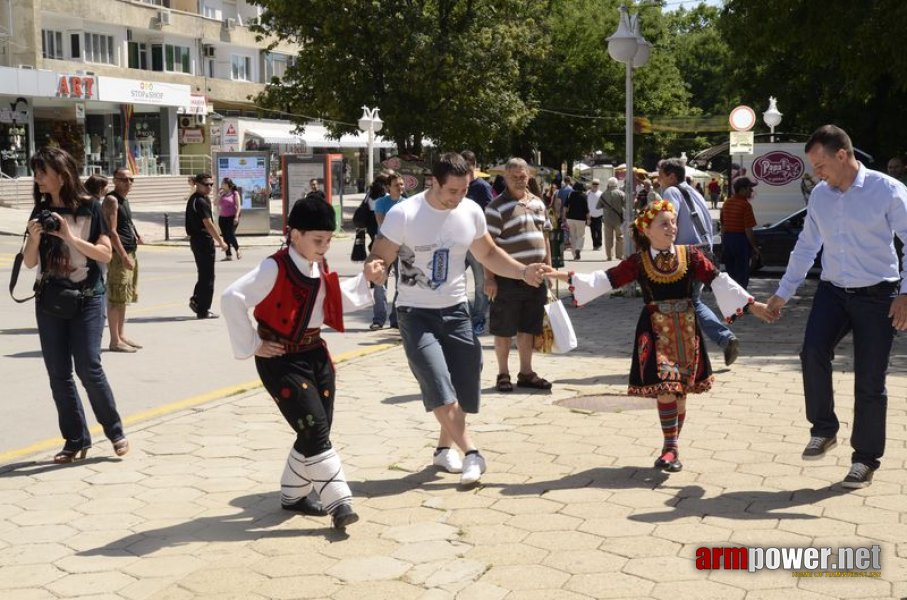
pixel 776 241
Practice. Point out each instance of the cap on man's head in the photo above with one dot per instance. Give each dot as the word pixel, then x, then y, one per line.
pixel 743 182
pixel 596 181
pixel 312 214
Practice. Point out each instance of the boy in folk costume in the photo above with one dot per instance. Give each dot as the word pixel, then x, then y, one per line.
pixel 669 355
pixel 293 293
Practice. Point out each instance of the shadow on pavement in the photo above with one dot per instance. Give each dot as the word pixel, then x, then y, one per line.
pixel 30 468
pixel 402 399
pixel 260 514
pixel 29 354
pixel 619 478
pixel 428 478
pixel 758 504
pixel 23 331
pixel 161 319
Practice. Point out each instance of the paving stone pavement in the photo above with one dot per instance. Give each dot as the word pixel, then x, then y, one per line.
pixel 569 508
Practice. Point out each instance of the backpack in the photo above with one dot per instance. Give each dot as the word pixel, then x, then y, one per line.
pixel 360 217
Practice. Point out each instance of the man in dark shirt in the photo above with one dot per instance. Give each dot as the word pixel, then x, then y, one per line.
pixel 202 235
pixel 479 191
pixel 122 273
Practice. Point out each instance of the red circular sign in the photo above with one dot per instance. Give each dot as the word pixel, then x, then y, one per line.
pixel 742 118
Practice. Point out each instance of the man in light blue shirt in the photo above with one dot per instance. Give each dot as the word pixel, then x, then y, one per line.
pixel 852 217
pixel 694 227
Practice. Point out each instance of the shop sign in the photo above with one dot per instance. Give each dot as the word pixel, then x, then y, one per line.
pixel 192 136
pixel 77 86
pixel 132 91
pixel 778 168
pixel 198 105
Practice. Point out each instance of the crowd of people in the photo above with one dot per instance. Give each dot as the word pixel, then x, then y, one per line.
pixel 500 231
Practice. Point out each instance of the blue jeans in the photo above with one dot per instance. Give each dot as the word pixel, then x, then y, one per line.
pixel 711 326
pixel 834 314
pixel 379 311
pixel 77 341
pixel 479 308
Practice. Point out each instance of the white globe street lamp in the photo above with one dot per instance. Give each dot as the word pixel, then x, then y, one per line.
pixel 772 116
pixel 626 45
pixel 370 123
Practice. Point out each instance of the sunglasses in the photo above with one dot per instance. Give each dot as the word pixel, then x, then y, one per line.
pixel 206 183
pixel 129 179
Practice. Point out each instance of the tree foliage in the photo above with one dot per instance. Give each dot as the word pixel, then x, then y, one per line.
pixel 447 70
pixel 826 62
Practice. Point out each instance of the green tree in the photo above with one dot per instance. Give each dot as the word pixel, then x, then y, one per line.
pixel 446 70
pixel 826 62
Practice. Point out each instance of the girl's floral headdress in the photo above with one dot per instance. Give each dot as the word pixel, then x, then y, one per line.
pixel 651 211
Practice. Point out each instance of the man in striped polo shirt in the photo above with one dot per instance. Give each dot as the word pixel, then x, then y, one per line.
pixel 738 242
pixel 518 223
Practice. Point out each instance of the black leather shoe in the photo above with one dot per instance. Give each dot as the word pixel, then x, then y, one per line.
pixel 207 315
pixel 343 516
pixel 307 506
pixel 669 462
pixel 731 352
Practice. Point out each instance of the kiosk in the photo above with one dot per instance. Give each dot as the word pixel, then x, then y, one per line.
pixel 251 174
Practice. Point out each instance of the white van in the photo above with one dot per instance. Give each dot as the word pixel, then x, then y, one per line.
pixel 784 179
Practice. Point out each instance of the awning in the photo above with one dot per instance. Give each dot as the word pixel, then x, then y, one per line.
pixel 314 135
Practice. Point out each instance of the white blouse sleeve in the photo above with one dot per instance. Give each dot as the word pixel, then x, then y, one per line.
pixel 730 296
pixel 355 293
pixel 238 298
pixel 589 286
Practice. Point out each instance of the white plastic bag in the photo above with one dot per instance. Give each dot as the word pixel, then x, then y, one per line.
pixel 561 327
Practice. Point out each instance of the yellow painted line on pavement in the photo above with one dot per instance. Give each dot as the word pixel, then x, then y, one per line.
pixel 179 405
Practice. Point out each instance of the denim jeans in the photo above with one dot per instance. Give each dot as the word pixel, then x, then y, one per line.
pixel 379 310
pixel 77 341
pixel 736 257
pixel 479 307
pixel 834 314
pixel 711 326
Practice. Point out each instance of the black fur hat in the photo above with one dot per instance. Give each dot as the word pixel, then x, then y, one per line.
pixel 312 214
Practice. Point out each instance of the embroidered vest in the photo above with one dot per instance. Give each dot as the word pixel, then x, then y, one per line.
pixel 284 314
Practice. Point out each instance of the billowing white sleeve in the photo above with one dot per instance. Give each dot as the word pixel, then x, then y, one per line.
pixel 730 296
pixel 589 286
pixel 355 293
pixel 238 298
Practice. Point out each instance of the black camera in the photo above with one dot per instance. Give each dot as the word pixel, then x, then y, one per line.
pixel 48 221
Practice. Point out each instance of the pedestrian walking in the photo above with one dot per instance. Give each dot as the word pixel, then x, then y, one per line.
pixel 854 212
pixel 68 242
pixel 431 233
pixel 738 242
pixel 229 208
pixel 202 236
pixel 576 209
pixel 480 192
pixel 123 271
pixel 612 205
pixel 669 358
pixel 596 214
pixel 292 293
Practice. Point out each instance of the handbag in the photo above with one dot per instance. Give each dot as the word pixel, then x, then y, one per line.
pixel 358 254
pixel 360 217
pixel 59 297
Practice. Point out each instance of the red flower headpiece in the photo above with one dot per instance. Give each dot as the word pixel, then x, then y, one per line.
pixel 646 217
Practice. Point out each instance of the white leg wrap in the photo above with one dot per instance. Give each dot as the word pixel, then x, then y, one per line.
pixel 295 483
pixel 326 474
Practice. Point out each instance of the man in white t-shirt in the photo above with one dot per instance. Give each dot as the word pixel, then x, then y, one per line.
pixel 431 233
pixel 596 214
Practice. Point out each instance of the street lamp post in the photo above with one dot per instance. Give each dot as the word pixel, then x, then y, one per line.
pixel 370 123
pixel 772 116
pixel 627 46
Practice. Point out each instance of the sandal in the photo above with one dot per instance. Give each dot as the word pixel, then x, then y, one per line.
pixel 64 456
pixel 121 447
pixel 532 380
pixel 503 383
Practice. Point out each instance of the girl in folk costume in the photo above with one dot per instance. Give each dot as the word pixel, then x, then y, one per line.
pixel 669 356
pixel 293 293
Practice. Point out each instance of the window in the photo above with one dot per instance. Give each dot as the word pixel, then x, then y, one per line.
pixel 164 3
pixel 51 44
pixel 157 57
pixel 276 65
pixel 177 59
pixel 242 68
pixel 138 55
pixel 74 45
pixel 99 48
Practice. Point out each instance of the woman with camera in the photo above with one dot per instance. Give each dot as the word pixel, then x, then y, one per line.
pixel 67 240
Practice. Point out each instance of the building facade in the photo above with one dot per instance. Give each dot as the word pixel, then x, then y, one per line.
pixel 152 84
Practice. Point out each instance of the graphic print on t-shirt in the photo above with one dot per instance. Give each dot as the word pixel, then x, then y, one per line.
pixel 412 275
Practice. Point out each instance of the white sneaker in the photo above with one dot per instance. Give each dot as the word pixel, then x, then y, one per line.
pixel 473 467
pixel 448 460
